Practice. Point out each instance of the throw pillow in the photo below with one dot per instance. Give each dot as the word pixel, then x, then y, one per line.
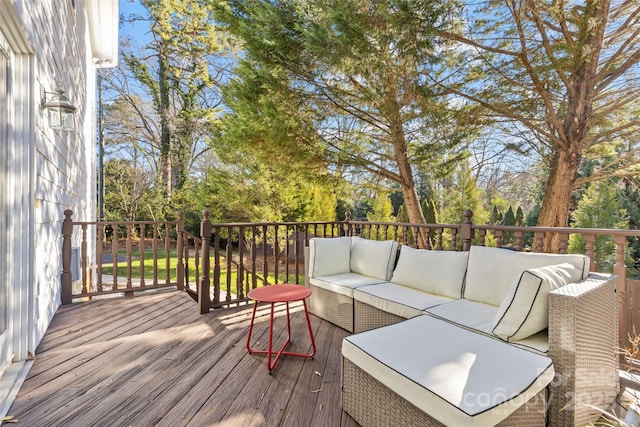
pixel 329 256
pixel 525 309
pixel 436 272
pixel 373 258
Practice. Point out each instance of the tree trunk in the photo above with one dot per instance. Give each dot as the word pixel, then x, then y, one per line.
pixel 409 192
pixel 165 133
pixel 557 197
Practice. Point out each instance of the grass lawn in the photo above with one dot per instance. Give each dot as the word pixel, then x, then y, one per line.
pixel 173 262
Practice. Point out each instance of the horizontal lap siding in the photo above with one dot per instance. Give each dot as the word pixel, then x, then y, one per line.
pixel 54 170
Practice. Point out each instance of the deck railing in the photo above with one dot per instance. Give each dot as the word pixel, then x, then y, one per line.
pixel 117 264
pixel 221 265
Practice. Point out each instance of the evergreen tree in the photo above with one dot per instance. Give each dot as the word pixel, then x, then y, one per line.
pixel 599 207
pixel 403 216
pixel 350 81
pixel 496 216
pixel 509 219
pixel 382 209
pixel 431 217
pixel 519 216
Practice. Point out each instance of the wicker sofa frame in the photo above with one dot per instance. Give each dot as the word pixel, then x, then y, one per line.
pixel 582 337
pixel 583 332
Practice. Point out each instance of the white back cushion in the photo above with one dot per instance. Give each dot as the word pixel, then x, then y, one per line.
pixel 436 272
pixel 525 309
pixel 373 258
pixel 328 256
pixel 491 271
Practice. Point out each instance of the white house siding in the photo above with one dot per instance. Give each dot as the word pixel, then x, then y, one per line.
pixel 50 171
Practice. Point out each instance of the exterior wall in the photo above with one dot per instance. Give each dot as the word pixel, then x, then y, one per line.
pixel 48 171
pixel 57 31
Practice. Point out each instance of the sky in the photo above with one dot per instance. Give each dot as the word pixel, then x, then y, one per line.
pixel 137 31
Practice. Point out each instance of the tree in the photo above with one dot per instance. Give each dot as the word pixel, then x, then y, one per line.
pixel 599 208
pixel 509 219
pixel 431 217
pixel 564 79
pixel 496 216
pixel 347 81
pixel 519 217
pixel 382 209
pixel 403 216
pixel 178 73
pixel 128 190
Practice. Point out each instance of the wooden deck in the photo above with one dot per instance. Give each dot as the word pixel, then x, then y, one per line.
pixel 154 361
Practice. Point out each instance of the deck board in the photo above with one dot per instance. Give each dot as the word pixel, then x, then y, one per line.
pixel 153 360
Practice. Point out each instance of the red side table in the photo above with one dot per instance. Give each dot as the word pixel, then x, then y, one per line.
pixel 273 294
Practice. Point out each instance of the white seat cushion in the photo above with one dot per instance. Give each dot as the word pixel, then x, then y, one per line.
pixel 373 258
pixel 436 272
pixel 525 309
pixel 491 271
pixel 458 377
pixel 343 283
pixel 328 256
pixel 468 314
pixel 480 317
pixel 397 299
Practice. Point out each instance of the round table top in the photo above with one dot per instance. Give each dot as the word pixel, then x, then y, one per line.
pixel 283 292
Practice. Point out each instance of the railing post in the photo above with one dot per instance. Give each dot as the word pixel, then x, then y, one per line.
pixel 67 231
pixel 179 250
pixel 204 297
pixel 466 232
pixel 624 291
pixel 346 225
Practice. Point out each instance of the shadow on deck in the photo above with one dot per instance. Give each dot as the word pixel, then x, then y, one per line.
pixel 153 360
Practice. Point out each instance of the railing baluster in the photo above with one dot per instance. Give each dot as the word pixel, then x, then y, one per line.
pixel 154 248
pixel 240 276
pixel 229 258
pixel 254 257
pixel 286 254
pixel 519 236
pixel 99 254
pixel 114 254
pixel 590 242
pixel 454 239
pixel 564 241
pixel 141 249
pixel 167 253
pixel 179 250
pixel 539 238
pixel 128 255
pixel 276 253
pixel 216 264
pixel 265 260
pixel 83 260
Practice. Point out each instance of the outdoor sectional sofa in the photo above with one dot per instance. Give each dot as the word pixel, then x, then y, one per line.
pixel 485 337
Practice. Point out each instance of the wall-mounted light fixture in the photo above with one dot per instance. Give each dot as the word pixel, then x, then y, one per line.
pixel 61 110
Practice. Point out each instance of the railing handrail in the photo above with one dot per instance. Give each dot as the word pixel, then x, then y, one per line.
pixel 172 222
pixel 569 230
